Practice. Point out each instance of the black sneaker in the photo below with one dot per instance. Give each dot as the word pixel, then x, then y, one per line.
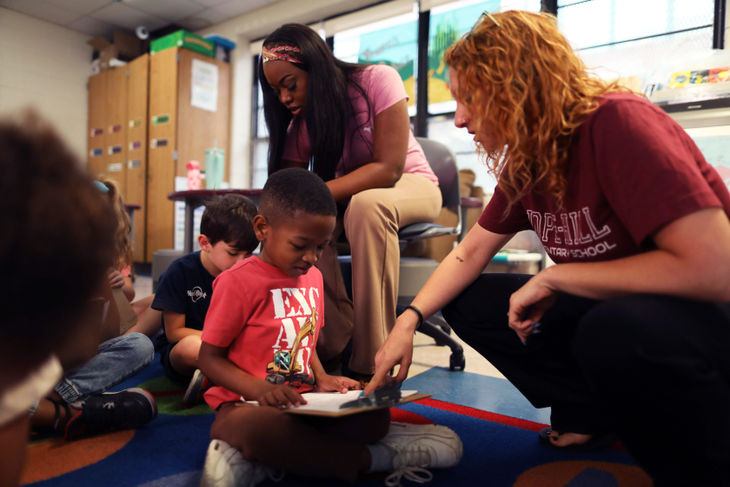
pixel 112 411
pixel 197 386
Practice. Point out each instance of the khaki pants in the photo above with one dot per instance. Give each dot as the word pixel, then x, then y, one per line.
pixel 371 222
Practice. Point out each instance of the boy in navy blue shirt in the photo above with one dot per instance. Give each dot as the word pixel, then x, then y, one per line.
pixel 183 295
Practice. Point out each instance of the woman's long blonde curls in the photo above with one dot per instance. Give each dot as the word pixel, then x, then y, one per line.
pixel 518 74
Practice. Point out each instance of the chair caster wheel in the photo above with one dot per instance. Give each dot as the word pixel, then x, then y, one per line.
pixel 457 361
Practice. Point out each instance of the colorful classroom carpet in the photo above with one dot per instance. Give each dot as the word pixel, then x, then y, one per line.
pixel 497 426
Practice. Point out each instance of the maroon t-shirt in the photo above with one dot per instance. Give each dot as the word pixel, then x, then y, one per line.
pixel 631 170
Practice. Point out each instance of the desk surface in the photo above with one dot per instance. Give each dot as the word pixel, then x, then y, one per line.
pixel 206 194
pixel 197 197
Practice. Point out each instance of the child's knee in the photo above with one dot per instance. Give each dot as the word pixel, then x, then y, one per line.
pixel 142 347
pixel 378 425
pixel 193 341
pixel 251 429
pixel 187 349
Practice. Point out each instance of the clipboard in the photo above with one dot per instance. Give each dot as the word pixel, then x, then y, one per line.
pixel 327 404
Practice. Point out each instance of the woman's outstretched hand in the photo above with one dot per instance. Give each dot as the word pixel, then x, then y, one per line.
pixel 397 350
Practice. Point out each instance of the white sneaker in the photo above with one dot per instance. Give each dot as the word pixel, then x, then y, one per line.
pixel 420 446
pixel 225 467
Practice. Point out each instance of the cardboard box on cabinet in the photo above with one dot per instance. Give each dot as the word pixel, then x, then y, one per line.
pixel 124 47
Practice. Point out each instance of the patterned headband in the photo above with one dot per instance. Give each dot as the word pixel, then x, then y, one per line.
pixel 282 53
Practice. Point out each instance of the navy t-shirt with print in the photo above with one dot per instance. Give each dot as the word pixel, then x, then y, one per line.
pixel 186 287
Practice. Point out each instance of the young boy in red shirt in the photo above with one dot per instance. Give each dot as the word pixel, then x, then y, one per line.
pixel 259 343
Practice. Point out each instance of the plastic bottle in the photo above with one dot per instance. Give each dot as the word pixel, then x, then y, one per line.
pixel 193 168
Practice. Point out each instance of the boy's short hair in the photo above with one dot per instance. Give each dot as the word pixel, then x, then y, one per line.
pixel 295 189
pixel 58 238
pixel 229 218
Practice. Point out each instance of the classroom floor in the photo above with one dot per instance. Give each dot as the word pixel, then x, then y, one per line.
pixel 479 386
pixel 498 427
pixel 425 353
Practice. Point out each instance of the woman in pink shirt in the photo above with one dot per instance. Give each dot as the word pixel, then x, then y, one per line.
pixel 349 124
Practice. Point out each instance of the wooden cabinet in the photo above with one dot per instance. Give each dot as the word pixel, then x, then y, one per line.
pixel 117 136
pixel 146 121
pixel 136 168
pixel 181 128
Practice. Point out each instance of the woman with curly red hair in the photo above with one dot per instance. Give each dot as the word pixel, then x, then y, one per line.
pixel 627 334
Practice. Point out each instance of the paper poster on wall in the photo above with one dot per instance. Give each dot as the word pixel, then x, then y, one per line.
pixel 204 85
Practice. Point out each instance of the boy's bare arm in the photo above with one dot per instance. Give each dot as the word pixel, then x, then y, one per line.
pixel 316 366
pixel 175 329
pixel 13 438
pixel 330 383
pixel 213 362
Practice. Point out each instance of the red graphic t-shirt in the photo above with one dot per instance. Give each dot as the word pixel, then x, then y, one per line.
pixel 631 170
pixel 268 321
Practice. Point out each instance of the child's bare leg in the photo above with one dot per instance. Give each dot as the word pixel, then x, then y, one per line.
pixel 47 416
pixel 365 428
pixel 184 355
pixel 292 443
